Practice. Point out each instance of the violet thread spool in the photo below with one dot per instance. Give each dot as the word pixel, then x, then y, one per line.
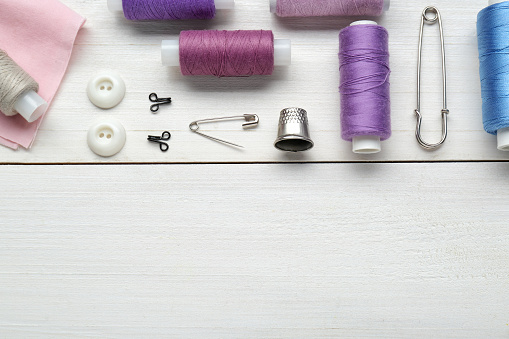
pixel 226 53
pixel 313 8
pixel 364 86
pixel 169 9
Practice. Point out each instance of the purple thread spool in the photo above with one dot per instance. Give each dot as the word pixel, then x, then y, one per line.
pixel 169 9
pixel 310 8
pixel 364 86
pixel 226 53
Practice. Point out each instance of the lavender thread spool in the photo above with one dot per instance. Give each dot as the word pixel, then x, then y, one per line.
pixel 364 86
pixel 312 8
pixel 169 9
pixel 221 53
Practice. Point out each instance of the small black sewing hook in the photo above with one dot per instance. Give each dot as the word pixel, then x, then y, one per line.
pixel 155 107
pixel 160 140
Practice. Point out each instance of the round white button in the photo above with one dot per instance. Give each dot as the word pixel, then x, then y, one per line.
pixel 106 89
pixel 106 137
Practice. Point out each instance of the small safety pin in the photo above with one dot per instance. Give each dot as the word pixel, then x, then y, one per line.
pixel 251 122
pixel 160 140
pixel 431 20
pixel 155 107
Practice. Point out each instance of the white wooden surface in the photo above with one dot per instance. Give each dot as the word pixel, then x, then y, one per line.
pixel 132 48
pixel 255 251
pixel 228 250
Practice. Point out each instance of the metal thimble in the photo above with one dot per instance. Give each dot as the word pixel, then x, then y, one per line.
pixel 293 131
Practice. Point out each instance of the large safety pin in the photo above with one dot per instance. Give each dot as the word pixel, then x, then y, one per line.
pixel 251 122
pixel 431 20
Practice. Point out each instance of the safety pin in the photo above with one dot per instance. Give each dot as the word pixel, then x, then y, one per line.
pixel 160 140
pixel 431 20
pixel 251 122
pixel 155 107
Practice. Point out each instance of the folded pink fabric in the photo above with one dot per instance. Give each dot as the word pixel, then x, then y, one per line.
pixel 39 35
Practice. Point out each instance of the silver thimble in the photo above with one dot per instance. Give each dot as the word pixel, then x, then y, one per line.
pixel 293 131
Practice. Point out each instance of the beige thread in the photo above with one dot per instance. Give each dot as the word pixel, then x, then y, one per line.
pixel 14 82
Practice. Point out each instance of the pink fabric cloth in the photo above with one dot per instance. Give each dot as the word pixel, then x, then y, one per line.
pixel 39 35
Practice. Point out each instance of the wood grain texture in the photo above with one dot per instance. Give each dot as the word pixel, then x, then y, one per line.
pixel 111 42
pixel 254 251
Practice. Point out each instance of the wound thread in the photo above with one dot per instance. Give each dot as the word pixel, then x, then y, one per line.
pixel 168 9
pixel 14 82
pixel 493 42
pixel 226 53
pixel 364 82
pixel 310 8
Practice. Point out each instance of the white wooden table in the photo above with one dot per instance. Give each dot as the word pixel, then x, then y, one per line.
pixel 206 241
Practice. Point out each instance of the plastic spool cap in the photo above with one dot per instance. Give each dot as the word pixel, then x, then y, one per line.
pixel 363 22
pixel 116 5
pixel 282 52
pixel 273 6
pixel 368 144
pixel 503 139
pixel 224 4
pixel 387 5
pixel 492 2
pixel 31 106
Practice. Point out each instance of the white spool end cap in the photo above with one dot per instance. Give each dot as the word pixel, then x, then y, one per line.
pixel 367 144
pixel 363 22
pixel 170 53
pixel 282 52
pixel 492 2
pixel 224 4
pixel 387 5
pixel 503 139
pixel 31 106
pixel 115 6
pixel 273 6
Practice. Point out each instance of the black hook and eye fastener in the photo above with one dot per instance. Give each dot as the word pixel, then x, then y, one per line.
pixel 155 107
pixel 161 140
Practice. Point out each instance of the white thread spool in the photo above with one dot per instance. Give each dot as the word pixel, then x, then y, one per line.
pixel 115 6
pixel 282 52
pixel 387 5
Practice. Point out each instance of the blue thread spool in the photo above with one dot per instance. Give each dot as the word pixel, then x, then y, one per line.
pixel 493 39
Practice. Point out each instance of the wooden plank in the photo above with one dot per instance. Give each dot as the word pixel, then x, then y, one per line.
pixel 258 251
pixel 132 48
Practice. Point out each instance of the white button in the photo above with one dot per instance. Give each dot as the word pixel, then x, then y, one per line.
pixel 106 89
pixel 106 137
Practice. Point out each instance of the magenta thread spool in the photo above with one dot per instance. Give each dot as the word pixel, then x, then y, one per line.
pixel 311 8
pixel 364 86
pixel 169 9
pixel 226 53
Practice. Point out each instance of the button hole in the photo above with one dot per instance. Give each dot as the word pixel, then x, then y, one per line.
pixel 101 135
